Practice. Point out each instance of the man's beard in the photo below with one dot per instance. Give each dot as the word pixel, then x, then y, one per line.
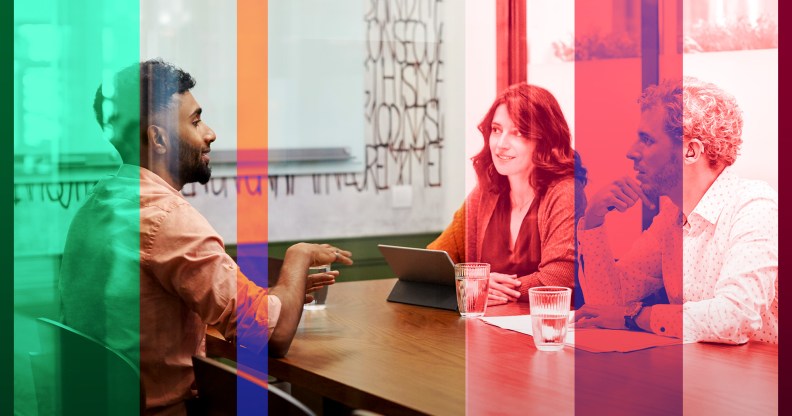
pixel 190 165
pixel 667 180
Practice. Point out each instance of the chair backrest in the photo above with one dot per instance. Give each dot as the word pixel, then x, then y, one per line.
pixel 76 374
pixel 222 390
pixel 217 389
pixel 282 403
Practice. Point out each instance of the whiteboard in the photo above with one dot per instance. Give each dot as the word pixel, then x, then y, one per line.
pixel 316 83
pixel 200 37
pixel 315 66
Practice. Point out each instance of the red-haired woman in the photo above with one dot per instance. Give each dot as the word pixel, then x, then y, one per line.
pixel 520 218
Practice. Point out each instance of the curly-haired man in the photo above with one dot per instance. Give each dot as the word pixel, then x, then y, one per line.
pixel 713 247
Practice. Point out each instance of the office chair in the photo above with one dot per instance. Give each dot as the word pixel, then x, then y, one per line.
pixel 219 385
pixel 76 374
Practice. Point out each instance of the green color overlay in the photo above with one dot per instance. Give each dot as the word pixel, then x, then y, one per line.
pixel 63 51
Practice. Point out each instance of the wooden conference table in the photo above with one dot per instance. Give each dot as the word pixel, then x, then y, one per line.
pixel 367 353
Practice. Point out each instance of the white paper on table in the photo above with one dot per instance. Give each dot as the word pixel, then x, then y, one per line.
pixel 615 341
pixel 523 325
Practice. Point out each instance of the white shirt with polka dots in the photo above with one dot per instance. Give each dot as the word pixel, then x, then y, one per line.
pixel 728 290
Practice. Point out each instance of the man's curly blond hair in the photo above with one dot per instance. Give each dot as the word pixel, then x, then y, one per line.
pixel 699 110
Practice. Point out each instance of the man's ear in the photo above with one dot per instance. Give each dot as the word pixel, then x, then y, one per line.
pixel 693 151
pixel 157 139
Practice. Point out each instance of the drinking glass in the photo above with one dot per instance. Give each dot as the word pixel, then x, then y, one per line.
pixel 549 316
pixel 320 295
pixel 472 287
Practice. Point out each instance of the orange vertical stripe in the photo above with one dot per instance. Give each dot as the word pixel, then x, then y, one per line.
pixel 252 121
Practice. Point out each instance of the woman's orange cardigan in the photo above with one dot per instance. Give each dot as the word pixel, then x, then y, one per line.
pixel 463 238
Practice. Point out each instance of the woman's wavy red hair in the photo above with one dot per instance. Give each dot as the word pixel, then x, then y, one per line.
pixel 537 116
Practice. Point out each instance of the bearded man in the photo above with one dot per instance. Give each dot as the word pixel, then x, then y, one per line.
pixel 143 271
pixel 712 248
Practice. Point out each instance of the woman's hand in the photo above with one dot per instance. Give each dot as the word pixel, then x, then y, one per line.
pixel 503 288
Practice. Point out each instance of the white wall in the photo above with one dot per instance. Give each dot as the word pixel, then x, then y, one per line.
pixel 455 91
pixel 480 77
pixel 752 77
pixel 547 23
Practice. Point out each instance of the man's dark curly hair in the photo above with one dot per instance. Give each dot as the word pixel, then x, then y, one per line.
pixel 151 84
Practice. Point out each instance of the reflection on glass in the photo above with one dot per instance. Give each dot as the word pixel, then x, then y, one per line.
pixel 552 35
pixel 728 25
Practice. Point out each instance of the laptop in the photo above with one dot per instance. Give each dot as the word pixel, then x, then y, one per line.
pixel 426 277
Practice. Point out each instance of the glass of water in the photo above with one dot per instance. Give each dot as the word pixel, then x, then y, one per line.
pixel 320 296
pixel 472 288
pixel 549 316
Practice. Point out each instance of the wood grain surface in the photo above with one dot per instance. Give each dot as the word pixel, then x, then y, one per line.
pixel 371 354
